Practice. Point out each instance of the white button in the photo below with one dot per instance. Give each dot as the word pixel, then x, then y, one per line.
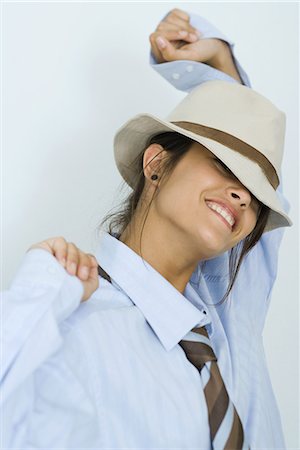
pixel 175 76
pixel 189 68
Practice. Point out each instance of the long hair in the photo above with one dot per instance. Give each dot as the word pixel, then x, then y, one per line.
pixel 176 146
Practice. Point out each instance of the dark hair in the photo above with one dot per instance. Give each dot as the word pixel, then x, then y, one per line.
pixel 177 145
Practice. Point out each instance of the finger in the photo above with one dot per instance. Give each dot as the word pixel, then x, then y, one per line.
pixel 155 50
pixel 169 27
pixel 180 37
pixel 170 53
pixel 93 275
pixel 72 258
pixel 91 284
pixel 180 13
pixel 59 248
pixel 41 245
pixel 94 262
pixel 56 246
pixel 85 265
pixel 174 35
pixel 173 26
pixel 178 23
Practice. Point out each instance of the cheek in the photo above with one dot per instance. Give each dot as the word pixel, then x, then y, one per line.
pixel 250 222
pixel 176 200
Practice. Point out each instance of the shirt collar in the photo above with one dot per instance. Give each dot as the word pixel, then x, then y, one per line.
pixel 170 313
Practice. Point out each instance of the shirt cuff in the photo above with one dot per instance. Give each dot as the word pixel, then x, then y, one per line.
pixel 185 75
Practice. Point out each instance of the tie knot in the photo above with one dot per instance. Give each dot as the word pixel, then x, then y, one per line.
pixel 200 330
pixel 198 349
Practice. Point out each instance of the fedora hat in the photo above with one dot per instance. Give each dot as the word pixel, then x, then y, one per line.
pixel 240 126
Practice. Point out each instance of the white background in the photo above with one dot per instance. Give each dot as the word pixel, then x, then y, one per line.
pixel 72 73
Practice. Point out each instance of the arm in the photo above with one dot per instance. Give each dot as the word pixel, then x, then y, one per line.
pixel 189 64
pixel 266 254
pixel 42 295
pixel 42 399
pixel 261 263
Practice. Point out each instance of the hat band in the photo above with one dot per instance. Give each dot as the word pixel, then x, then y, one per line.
pixel 235 144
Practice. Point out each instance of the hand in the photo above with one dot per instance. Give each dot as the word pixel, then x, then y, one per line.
pixel 176 29
pixel 169 44
pixel 76 262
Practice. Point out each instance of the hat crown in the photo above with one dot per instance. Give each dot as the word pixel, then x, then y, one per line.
pixel 239 111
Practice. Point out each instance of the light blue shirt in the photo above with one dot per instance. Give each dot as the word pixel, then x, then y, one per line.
pixel 109 373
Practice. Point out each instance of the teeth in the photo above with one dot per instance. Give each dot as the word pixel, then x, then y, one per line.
pixel 222 212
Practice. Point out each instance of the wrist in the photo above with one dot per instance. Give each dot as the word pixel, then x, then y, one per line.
pixel 223 61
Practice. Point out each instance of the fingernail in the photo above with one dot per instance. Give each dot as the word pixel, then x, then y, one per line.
pixel 183 33
pixel 63 261
pixel 160 42
pixel 84 272
pixel 193 36
pixel 73 267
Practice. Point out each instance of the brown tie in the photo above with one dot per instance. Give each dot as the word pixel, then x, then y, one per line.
pixel 226 430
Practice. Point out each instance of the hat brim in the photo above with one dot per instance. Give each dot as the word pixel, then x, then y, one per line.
pixel 133 136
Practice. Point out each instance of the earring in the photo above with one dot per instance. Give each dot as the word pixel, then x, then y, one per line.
pixel 154 177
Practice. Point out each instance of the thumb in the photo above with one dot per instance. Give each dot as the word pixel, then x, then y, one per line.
pixel 91 284
pixel 171 53
pixel 167 50
pixel 93 274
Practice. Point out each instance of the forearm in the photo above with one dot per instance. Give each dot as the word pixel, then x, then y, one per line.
pixel 224 61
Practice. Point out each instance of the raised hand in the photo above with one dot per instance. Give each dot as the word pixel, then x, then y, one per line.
pixel 76 262
pixel 175 39
pixel 176 30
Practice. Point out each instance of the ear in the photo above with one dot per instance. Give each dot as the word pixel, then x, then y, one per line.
pixel 152 161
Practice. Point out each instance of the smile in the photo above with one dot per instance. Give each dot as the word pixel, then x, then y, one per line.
pixel 227 220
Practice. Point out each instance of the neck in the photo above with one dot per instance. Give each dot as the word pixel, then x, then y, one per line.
pixel 166 250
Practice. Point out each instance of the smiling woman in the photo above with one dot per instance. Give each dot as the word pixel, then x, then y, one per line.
pixel 174 147
pixel 136 347
pixel 203 185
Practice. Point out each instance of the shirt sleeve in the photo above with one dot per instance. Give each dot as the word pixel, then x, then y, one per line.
pixel 42 294
pixel 54 407
pixel 43 371
pixel 261 263
pixel 186 75
pixel 267 249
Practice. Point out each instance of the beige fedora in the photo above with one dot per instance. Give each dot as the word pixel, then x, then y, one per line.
pixel 239 125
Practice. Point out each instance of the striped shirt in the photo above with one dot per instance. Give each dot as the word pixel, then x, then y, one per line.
pixel 109 373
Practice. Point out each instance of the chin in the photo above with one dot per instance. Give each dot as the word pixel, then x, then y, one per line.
pixel 215 242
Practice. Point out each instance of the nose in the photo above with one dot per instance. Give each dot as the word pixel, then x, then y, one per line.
pixel 241 196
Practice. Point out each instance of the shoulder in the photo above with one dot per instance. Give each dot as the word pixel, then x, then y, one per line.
pixel 87 329
pixel 106 303
pixel 106 300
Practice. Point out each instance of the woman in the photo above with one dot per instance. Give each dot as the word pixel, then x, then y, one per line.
pixel 114 374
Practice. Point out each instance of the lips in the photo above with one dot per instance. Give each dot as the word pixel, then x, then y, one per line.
pixel 230 209
pixel 222 219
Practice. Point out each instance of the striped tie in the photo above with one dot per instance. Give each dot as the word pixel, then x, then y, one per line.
pixel 226 430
